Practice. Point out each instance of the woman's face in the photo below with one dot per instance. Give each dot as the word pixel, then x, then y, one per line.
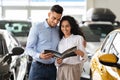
pixel 66 28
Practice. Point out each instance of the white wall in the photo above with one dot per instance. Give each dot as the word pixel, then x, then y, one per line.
pixel 114 5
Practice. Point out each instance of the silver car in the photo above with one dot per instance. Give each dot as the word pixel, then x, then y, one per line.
pixel 12 62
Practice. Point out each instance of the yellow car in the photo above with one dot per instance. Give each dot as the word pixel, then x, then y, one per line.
pixel 105 64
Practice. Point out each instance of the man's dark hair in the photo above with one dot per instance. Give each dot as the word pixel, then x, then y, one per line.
pixel 57 9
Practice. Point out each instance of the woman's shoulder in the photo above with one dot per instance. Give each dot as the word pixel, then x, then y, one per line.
pixel 77 36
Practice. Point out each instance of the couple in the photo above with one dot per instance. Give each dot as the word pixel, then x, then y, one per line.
pixel 47 35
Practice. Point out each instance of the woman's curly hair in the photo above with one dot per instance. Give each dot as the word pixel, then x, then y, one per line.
pixel 75 29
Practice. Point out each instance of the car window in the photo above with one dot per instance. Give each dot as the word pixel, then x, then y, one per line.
pixel 111 46
pixel 90 35
pixel 96 32
pixel 18 28
pixel 3 48
pixel 116 43
pixel 101 29
pixel 11 41
pixel 107 44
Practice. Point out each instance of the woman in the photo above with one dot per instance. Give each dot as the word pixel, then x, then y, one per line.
pixel 70 68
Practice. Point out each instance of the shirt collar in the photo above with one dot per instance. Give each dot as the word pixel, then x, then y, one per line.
pixel 68 37
pixel 46 24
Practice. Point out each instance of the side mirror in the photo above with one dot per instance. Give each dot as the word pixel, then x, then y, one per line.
pixel 109 60
pixel 15 51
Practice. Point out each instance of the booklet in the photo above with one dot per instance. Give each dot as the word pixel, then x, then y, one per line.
pixel 68 53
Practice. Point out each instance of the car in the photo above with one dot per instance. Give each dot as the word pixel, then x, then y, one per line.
pixel 13 63
pixel 7 43
pixel 19 28
pixel 94 36
pixel 105 63
pixel 95 30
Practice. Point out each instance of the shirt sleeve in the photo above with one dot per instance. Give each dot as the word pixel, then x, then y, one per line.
pixel 82 48
pixel 31 42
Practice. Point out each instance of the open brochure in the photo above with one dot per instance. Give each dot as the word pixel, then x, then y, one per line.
pixel 68 53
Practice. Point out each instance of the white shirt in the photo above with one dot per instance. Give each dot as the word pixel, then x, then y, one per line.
pixel 71 41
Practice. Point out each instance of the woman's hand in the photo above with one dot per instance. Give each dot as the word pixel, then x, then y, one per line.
pixel 79 52
pixel 59 60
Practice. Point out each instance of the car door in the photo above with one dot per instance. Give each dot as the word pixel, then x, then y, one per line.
pixel 3 50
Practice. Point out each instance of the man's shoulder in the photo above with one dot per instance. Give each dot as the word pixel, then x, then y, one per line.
pixel 38 22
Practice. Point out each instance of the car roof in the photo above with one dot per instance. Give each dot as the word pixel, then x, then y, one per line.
pixel 2 31
pixel 115 30
pixel 6 34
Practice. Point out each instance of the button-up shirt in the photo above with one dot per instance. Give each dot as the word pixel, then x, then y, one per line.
pixel 71 41
pixel 41 37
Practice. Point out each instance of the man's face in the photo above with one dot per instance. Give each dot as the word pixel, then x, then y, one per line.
pixel 54 18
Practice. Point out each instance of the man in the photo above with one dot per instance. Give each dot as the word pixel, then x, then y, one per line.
pixel 44 35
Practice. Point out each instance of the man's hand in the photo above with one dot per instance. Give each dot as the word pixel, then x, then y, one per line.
pixel 46 55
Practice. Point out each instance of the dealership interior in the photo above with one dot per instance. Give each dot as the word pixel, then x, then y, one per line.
pixel 38 9
pixel 97 18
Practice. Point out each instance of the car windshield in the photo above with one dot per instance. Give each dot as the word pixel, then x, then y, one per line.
pixel 18 28
pixel 95 33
